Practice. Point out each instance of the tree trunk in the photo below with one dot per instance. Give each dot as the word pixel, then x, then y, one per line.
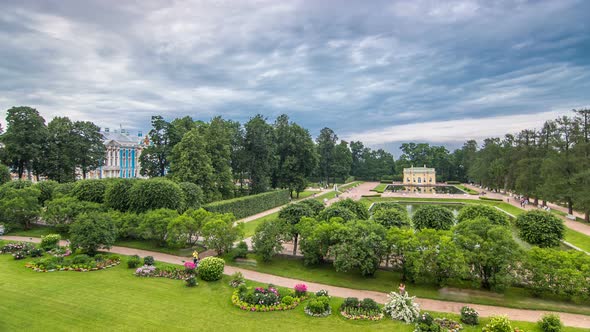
pixel 570 208
pixel 298 194
pixel 587 216
pixel 83 174
pixel 544 203
pixel 295 244
pixel 536 201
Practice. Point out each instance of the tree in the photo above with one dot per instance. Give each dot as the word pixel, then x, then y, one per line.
pixel 24 139
pixel 220 233
pixel 342 161
pixel 291 215
pixel 581 184
pixel 259 146
pixel 191 163
pixel 187 228
pixel 392 218
pixel 489 249
pixel 433 216
pixel 59 155
pixel 297 156
pixel 479 210
pixel 154 194
pixel 154 225
pixel 4 174
pixel 400 242
pixel 318 238
pixel 326 145
pixel 362 247
pixel 20 207
pixel 540 228
pixel 268 239
pixel 192 194
pixel 155 157
pixel 435 258
pixel 46 189
pixel 89 149
pixel 218 147
pixel 356 207
pixel 61 212
pixel 316 206
pixel 337 212
pixel 91 232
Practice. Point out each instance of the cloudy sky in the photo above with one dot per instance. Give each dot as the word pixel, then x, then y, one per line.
pixel 379 71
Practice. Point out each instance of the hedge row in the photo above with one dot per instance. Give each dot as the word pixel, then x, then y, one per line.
pixel 249 205
pixel 453 182
pixel 491 199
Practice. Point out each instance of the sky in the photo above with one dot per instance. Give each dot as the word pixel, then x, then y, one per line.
pixel 383 72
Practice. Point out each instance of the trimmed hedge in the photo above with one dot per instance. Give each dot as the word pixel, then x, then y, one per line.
pixel 246 206
pixel 453 182
pixel 211 268
pixel 491 199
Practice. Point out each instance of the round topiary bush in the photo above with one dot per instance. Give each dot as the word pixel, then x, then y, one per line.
pixel 90 190
pixel 392 217
pixel 388 205
pixel 154 194
pixel 471 212
pixel 540 228
pixel 337 212
pixel 498 324
pixel 433 216
pixel 550 323
pixel 211 268
pixel 117 194
pixel 193 196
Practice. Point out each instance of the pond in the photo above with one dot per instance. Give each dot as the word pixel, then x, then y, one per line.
pixel 424 189
pixel 413 206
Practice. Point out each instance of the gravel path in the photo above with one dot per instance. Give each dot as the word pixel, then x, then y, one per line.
pixel 568 319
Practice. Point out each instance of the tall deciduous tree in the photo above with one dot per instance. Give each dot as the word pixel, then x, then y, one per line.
pixel 190 162
pixel 218 147
pixel 155 158
pixel 60 153
pixel 326 144
pixel 259 146
pixel 88 146
pixel 24 139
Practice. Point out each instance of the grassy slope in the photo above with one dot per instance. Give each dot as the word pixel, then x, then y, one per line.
pixel 114 298
pixel 469 191
pixel 380 188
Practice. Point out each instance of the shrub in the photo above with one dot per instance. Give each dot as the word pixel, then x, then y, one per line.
pixel 359 209
pixel 62 211
pixel 50 241
pixel 46 189
pixel 316 206
pixel 63 189
pixel 133 262
pixel 470 212
pixel 350 302
pixel 318 307
pixel 392 218
pixel 550 323
pixel 433 216
pixel 240 251
pixel 367 309
pixel 249 205
pixel 237 280
pixel 117 194
pixel 92 231
pixel 211 268
pixel 540 228
pixel 81 259
pixel 35 252
pixel 268 239
pixel 469 316
pixel 448 324
pixel 498 324
pixel 90 190
pixel 453 182
pixel 21 254
pixel 287 300
pixel 191 281
pixel 154 194
pixel 402 307
pixel 189 267
pixel 148 260
pixel 321 292
pixel 192 195
pixel 300 290
pixel 388 205
pixel 425 323
pixel 337 212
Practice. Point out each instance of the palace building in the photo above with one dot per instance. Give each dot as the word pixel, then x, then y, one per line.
pixel 122 155
pixel 421 176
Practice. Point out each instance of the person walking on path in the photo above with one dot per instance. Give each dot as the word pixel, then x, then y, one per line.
pixel 196 257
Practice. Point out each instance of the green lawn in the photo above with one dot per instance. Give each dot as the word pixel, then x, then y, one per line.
pixel 153 246
pixel 35 231
pixel 380 188
pixel 578 239
pixel 386 281
pixel 468 190
pixel 250 227
pixel 115 300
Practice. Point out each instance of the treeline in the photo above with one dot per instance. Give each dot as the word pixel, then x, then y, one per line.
pixel 56 150
pixel 549 164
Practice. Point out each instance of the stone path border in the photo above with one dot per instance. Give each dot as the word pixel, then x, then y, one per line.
pixel 568 319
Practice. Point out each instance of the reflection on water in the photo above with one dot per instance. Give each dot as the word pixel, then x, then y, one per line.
pixel 424 189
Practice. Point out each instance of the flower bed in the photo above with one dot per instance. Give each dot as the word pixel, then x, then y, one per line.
pixel 448 324
pixel 266 299
pixel 319 306
pixel 366 309
pixel 170 272
pixel 80 263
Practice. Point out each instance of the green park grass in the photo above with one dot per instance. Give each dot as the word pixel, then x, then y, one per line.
pixel 380 188
pixel 578 239
pixel 250 227
pixel 468 190
pixel 116 300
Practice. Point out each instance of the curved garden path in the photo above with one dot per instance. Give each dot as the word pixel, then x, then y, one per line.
pixel 568 319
